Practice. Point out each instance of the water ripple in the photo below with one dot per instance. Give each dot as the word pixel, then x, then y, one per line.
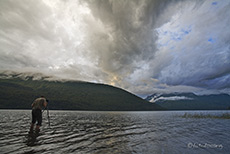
pixel 112 132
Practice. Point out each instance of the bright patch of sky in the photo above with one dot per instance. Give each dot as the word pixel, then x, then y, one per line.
pixel 172 32
pixel 214 3
pixel 211 40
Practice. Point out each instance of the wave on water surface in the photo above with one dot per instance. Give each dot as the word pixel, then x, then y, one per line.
pixel 113 132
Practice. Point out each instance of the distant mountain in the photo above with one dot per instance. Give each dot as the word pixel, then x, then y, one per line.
pixel 191 101
pixel 17 91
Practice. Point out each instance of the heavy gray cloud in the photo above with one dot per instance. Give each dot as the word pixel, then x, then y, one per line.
pixel 141 46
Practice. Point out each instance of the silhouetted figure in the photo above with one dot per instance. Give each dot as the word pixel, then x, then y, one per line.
pixel 37 107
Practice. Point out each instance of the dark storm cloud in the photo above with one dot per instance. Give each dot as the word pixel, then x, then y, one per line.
pixel 131 25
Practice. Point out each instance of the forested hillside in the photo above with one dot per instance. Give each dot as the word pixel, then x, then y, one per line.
pixel 17 93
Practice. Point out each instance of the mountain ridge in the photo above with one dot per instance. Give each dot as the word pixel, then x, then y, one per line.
pixel 18 93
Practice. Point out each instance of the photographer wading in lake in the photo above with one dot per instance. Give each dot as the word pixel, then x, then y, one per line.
pixel 37 107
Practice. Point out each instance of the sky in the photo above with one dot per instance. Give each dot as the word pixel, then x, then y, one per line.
pixel 142 46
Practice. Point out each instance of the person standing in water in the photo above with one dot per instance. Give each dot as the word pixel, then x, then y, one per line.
pixel 37 106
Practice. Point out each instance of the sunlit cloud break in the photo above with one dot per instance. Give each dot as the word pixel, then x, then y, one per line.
pixel 142 46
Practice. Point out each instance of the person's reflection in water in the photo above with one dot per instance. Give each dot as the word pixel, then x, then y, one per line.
pixel 32 139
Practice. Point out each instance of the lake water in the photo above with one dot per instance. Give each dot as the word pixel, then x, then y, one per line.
pixel 115 132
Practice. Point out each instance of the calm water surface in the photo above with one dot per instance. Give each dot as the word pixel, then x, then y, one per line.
pixel 115 132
